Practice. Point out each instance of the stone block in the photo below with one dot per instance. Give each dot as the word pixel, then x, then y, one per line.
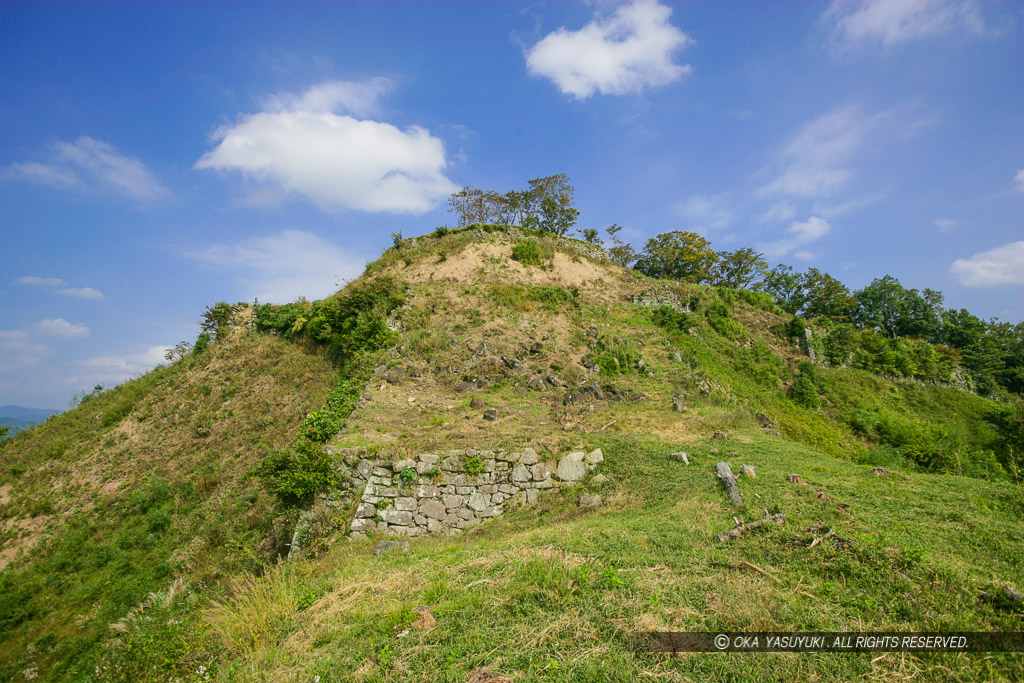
pixel 407 464
pixel 363 525
pixel 366 510
pixel 453 502
pixel 399 517
pixel 572 470
pixel 529 457
pixel 520 473
pixel 433 509
pixel 405 503
pixel 478 501
pixel 426 491
pixel 465 513
pixel 594 457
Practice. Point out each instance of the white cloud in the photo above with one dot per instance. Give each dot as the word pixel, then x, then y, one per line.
pixel 618 55
pixel 1000 266
pixel 1018 181
pixel 112 370
pixel 53 282
pixel 42 281
pixel 58 327
pixel 864 23
pixel 705 213
pixel 945 225
pixel 282 267
pixel 90 165
pixel 358 98
pixel 81 292
pixel 800 234
pixel 18 350
pixel 336 161
pixel 779 212
pixel 815 162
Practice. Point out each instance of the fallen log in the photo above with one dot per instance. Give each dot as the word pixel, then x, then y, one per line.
pixel 724 472
pixel 742 527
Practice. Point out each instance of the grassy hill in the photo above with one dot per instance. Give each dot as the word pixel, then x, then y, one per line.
pixel 144 531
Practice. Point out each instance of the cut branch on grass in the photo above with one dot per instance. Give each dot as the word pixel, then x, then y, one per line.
pixel 742 527
pixel 745 566
pixel 836 539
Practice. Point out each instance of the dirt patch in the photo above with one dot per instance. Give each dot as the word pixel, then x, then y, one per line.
pixel 27 532
pixel 5 494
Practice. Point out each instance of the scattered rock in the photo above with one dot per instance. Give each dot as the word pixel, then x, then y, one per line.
pixel 599 479
pixel 764 421
pixel 571 468
pixel 881 472
pixel 491 414
pixel 537 384
pixel 477 403
pixel 465 386
pixel 594 457
pixel 748 471
pixel 386 546
pixel 680 456
pixel 678 403
pixel 590 501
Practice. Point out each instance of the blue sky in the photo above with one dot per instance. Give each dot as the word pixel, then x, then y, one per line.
pixel 159 157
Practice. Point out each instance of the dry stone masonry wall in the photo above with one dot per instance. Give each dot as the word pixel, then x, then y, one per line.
pixel 450 492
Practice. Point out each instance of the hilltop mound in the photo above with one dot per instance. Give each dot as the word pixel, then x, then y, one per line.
pixel 498 374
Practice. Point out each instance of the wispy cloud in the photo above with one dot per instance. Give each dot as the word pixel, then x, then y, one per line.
pixel 111 370
pixel 860 24
pixel 21 348
pixel 1000 266
pixel 55 282
pixel 308 145
pixel 705 213
pixel 620 54
pixel 282 267
pixel 945 225
pixel 1018 181
pixel 798 236
pixel 93 166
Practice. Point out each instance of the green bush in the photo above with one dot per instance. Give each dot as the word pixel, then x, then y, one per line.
pixel 528 253
pixel 672 320
pixel 803 392
pixel 295 474
pixel 796 328
pixel 616 357
pixel 721 321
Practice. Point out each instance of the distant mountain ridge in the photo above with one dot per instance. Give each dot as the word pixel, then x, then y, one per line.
pixel 21 417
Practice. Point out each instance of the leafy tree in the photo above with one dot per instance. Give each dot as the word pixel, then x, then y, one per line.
pixel 739 269
pixel 922 314
pixel 960 329
pixel 678 255
pixel 621 253
pixel 549 205
pixel 825 296
pixel 881 305
pixel 787 286
pixel 467 205
pixel 216 318
pixel 591 235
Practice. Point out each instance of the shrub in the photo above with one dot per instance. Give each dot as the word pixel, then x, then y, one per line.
pixel 721 321
pixel 796 328
pixel 670 319
pixel 295 474
pixel 803 392
pixel 528 253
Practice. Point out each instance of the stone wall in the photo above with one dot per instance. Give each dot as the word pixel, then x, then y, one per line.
pixel 454 491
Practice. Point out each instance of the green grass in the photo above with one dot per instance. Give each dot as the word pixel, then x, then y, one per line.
pixel 551 592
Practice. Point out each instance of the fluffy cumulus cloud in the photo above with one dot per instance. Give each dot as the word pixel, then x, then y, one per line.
pixel 310 145
pixel 1000 266
pixel 58 286
pixel 280 268
pixel 863 23
pixel 798 235
pixel 616 55
pixel 90 165
pixel 58 327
